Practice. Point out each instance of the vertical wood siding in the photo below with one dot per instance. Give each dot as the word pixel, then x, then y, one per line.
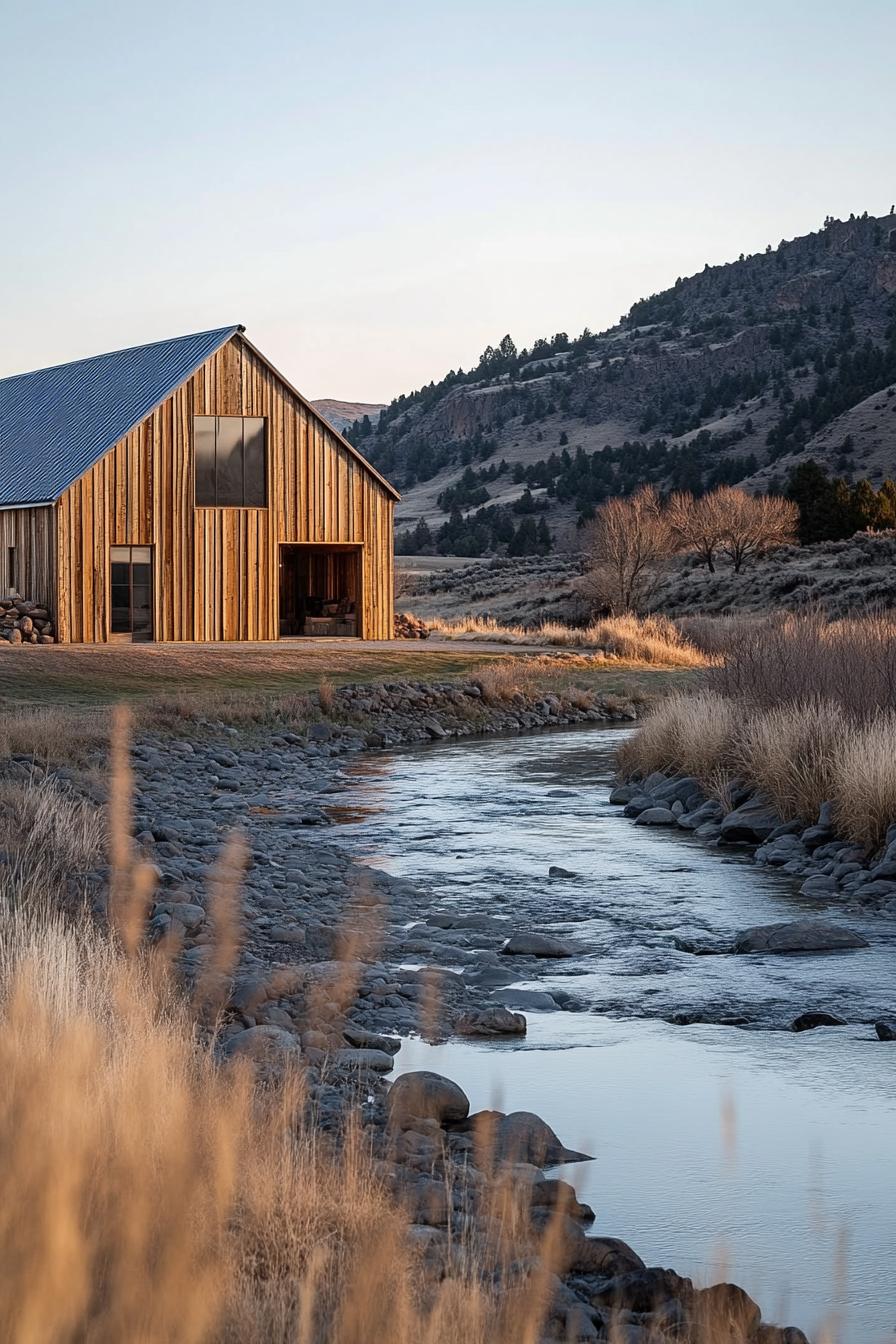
pixel 216 570
pixel 31 532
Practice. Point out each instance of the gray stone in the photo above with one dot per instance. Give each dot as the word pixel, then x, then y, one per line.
pixel 656 816
pixel 753 822
pixel 886 1029
pixel 556 871
pixel 263 1045
pixel 809 1021
pixel 525 998
pixel 710 811
pixel 523 1136
pixel 491 1022
pixel 370 1040
pixel 802 935
pixel 425 1096
pixel 377 1061
pixel 818 886
pixel 536 945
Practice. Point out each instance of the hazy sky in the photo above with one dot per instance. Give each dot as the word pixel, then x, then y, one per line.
pixel 379 190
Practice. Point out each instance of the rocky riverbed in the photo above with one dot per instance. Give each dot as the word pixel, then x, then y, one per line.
pixel 336 967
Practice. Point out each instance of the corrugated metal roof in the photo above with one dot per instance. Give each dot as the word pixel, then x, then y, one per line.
pixel 55 423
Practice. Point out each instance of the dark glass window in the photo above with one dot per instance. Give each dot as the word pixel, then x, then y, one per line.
pixel 11 567
pixel 204 448
pixel 130 573
pixel 230 461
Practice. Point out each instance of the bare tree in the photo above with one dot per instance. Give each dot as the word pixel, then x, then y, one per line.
pixel 754 524
pixel 629 544
pixel 698 524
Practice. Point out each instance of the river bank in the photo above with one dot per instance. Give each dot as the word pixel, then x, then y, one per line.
pixel 323 982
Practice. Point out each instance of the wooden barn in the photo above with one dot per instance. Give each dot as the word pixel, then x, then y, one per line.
pixel 185 490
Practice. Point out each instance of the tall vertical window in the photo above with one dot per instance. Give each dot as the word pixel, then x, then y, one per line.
pixel 230 461
pixel 11 568
pixel 131 604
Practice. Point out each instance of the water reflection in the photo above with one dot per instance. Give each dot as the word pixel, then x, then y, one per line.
pixel 814 1114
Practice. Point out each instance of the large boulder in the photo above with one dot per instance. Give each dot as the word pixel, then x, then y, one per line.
pixel 886 1029
pixel 801 935
pixel 425 1096
pixel 752 823
pixel 536 945
pixel 523 1137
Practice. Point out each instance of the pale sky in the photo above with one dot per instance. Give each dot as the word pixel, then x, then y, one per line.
pixel 377 191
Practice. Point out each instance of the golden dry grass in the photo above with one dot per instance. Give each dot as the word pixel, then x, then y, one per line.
pixel 653 640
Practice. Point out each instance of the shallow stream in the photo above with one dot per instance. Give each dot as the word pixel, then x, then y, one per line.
pixel 741 1151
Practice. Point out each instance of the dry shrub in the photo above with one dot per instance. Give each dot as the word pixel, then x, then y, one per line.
pixel 685 734
pixel 864 787
pixel 54 734
pixel 49 833
pixel 714 636
pixel 787 658
pixel 326 696
pixel 791 752
pixel 500 682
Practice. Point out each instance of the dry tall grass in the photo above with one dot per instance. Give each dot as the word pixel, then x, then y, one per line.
pixel 649 639
pixel 802 708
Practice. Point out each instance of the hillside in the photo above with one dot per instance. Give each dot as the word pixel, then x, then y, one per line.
pixel 838 577
pixel 342 414
pixel 732 375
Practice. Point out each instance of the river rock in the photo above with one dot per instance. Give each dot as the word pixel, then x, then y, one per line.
pixel 656 816
pixel 553 1194
pixel 525 998
pixel 886 1029
pixel 362 1039
pixel 556 871
pixel 522 1136
pixel 802 935
pixel 780 1334
pixel 496 1021
pixel 264 1046
pixel 809 1021
pixel 751 823
pixel 734 1313
pixel 425 1096
pixel 634 1287
pixel 536 945
pixel 376 1061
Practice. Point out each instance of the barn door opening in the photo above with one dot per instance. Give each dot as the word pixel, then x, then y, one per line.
pixel 320 591
pixel 130 571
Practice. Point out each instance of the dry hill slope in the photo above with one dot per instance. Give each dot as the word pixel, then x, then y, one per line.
pixel 734 374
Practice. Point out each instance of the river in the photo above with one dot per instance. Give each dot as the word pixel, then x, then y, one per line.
pixel 725 1145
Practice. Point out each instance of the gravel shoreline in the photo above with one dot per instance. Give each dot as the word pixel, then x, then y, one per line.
pixel 320 987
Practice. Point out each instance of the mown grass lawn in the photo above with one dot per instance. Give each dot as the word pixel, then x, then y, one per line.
pixel 85 675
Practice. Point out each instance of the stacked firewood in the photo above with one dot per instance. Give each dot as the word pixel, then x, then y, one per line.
pixel 25 622
pixel 410 627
